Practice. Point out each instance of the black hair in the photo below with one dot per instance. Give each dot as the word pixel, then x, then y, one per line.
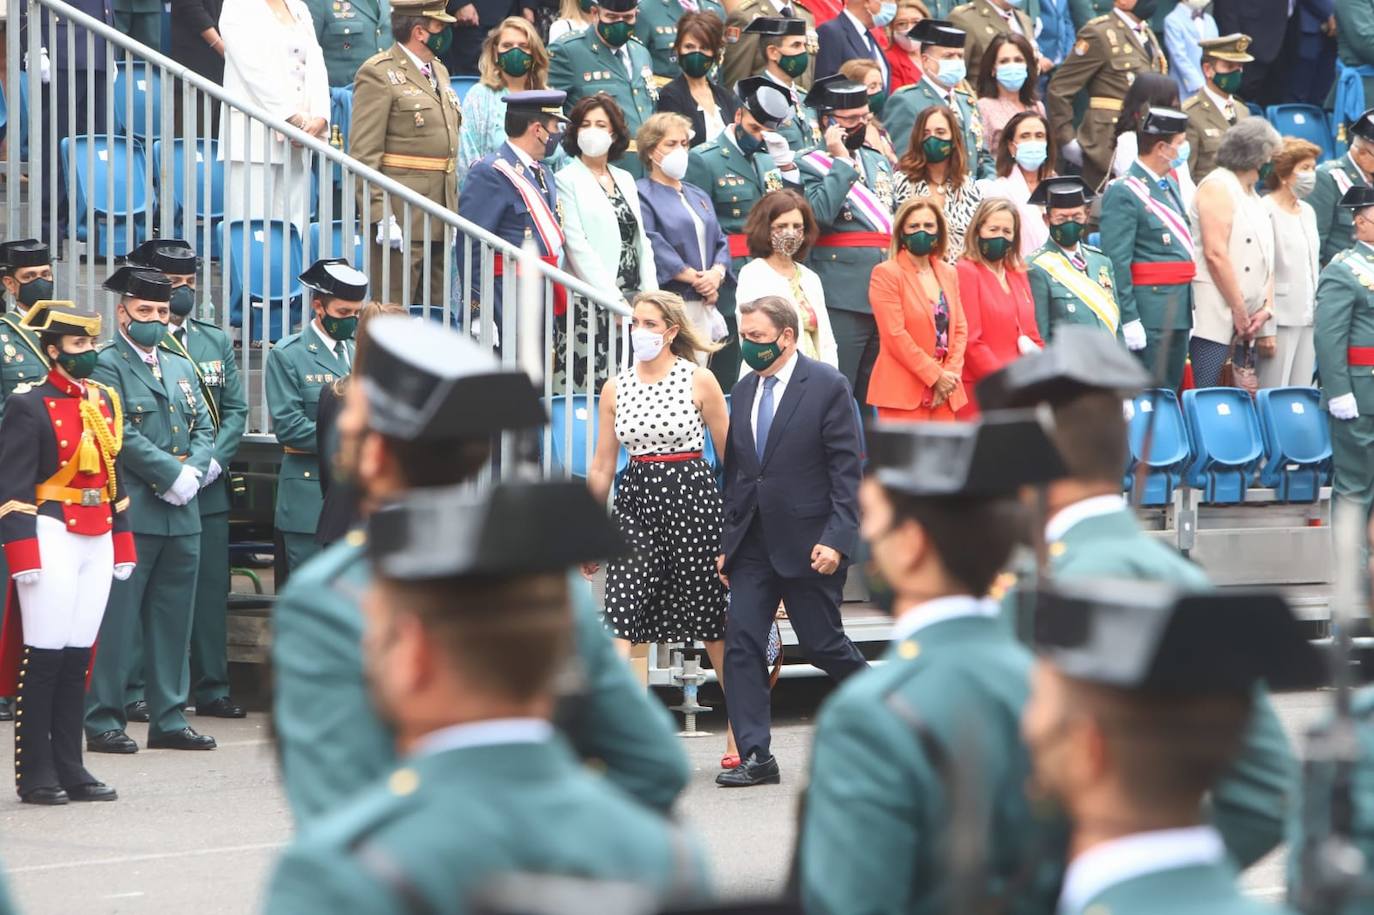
pixel 973 537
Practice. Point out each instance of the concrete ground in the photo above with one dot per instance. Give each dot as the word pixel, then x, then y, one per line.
pixel 198 832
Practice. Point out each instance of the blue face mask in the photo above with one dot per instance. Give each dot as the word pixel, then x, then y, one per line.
pixel 1031 154
pixel 951 72
pixel 1011 77
pixel 886 13
pixel 1185 149
pixel 1016 4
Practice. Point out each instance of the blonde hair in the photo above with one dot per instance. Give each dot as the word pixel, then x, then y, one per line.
pixel 904 213
pixel 489 68
pixel 989 208
pixel 652 132
pixel 572 10
pixel 687 343
pixel 858 68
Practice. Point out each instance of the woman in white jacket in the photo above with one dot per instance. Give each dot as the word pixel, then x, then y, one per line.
pixel 273 61
pixel 604 240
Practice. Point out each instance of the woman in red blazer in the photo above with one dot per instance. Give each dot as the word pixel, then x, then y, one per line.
pixel 921 327
pixel 996 295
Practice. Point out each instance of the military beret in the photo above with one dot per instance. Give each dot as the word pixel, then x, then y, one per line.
pixel 1078 359
pixel 60 317
pixel 336 277
pixel 511 529
pixel 140 283
pixel 169 255
pixel 24 252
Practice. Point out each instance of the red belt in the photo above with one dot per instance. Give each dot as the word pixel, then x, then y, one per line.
pixel 739 245
pixel 560 294
pixel 677 458
pixel 854 240
pixel 1163 273
pixel 1360 355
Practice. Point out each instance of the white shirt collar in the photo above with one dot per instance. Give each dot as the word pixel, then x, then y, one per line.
pixel 329 342
pixel 784 374
pixel 525 158
pixel 484 734
pixel 1219 101
pixel 938 610
pixel 1110 863
pixel 1149 171
pixel 148 356
pixel 1133 26
pixel 1064 519
pixel 419 64
pixel 940 90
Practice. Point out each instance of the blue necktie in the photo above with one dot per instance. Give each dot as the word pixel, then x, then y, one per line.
pixel 765 415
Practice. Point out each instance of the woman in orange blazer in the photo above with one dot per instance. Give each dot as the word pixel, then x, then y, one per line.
pixel 996 295
pixel 921 327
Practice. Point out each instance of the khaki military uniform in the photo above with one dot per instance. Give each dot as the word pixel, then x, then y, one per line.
pixel 1206 124
pixel 981 20
pixel 744 51
pixel 1105 61
pixel 407 129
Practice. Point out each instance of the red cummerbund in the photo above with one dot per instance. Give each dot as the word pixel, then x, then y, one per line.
pixel 739 245
pixel 560 294
pixel 854 240
pixel 1163 273
pixel 666 458
pixel 1360 355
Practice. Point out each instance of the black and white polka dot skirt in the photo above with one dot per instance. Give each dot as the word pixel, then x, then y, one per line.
pixel 666 590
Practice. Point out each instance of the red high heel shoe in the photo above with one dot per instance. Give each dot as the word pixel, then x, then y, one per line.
pixel 730 761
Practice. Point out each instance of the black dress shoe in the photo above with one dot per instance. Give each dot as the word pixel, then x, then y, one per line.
pixel 185 739
pixel 47 796
pixel 752 771
pixel 115 741
pixel 92 791
pixel 137 711
pixel 223 707
pixel 6 711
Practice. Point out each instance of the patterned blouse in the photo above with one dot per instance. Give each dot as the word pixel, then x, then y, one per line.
pixel 960 203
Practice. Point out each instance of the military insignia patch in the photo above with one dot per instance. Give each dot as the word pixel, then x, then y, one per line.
pixel 731 34
pixel 1081 47
pixel 187 392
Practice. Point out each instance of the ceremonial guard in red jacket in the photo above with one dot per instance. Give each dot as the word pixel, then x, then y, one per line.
pixel 66 535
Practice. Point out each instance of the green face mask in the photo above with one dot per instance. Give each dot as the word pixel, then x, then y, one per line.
pixel 759 356
pixel 339 328
pixel 1228 82
pixel 696 64
pixel 794 65
pixel 876 101
pixel 183 301
pixel 439 41
pixel 78 365
pixel 936 149
pixel 35 291
pixel 1265 171
pixel 1067 234
pixel 515 61
pixel 994 249
pixel 147 333
pixel 920 243
pixel 615 34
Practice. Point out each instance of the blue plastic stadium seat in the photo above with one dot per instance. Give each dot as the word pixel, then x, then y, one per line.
pixel 272 294
pixel 1297 443
pixel 336 242
pixel 575 412
pixel 137 95
pixel 1307 122
pixel 461 85
pixel 1255 109
pixel 111 173
pixel 209 210
pixel 1227 444
pixel 1169 448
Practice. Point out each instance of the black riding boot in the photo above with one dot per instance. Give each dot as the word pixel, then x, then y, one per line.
pixel 35 774
pixel 68 712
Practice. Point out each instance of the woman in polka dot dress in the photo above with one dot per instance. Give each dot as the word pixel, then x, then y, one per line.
pixel 666 503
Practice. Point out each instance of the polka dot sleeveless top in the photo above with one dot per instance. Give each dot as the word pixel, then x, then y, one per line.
pixel 658 418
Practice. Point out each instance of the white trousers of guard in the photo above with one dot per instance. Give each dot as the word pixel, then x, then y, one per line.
pixel 64 607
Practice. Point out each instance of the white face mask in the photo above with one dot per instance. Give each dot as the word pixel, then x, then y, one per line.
pixel 646 344
pixel 594 142
pixel 1303 183
pixel 674 164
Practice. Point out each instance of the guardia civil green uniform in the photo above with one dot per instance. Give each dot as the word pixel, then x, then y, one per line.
pixel 735 183
pixel 349 32
pixel 298 368
pixel 167 428
pixel 22 360
pixel 1070 285
pixel 583 64
pixel 744 50
pixel 882 814
pixel 1335 224
pixel 656 29
pixel 799 128
pixel 907 103
pixel 1343 337
pixel 141 20
pixel 1250 802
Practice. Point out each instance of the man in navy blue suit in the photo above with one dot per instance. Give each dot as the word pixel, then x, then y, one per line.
pixel 850 35
pixel 792 471
pixel 511 193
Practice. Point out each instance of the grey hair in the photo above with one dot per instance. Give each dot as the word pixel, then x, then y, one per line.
pixel 1248 144
pixel 781 313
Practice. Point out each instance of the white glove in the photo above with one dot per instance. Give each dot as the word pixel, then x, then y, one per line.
pixel 123 570
pixel 1026 345
pixel 1073 152
pixel 212 474
pixel 715 324
pixel 1128 410
pixel 391 232
pixel 1343 407
pixel 27 578
pixel 184 489
pixel 782 154
pixel 1134 332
